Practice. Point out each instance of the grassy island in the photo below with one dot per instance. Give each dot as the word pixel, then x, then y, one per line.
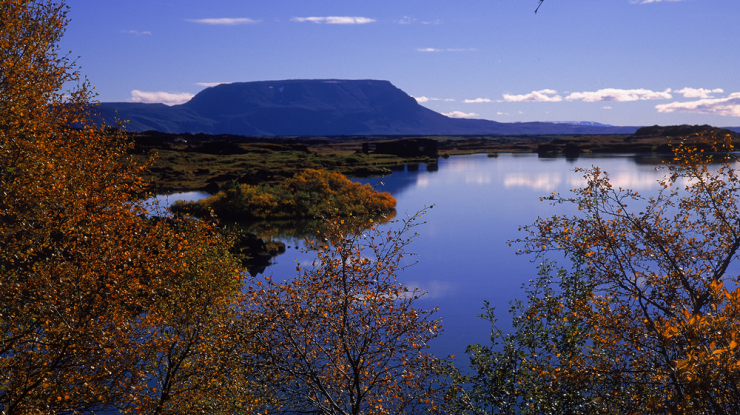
pixel 310 193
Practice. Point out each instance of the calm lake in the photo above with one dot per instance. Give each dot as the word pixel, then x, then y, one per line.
pixel 462 250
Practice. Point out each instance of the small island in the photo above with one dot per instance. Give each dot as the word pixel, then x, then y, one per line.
pixel 308 194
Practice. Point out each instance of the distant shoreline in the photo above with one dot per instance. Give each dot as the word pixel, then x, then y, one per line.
pixel 188 162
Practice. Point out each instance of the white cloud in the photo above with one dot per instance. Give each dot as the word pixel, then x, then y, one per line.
pixel 619 95
pixel 459 114
pixel 334 19
pixel 407 20
pixel 136 32
pixel 348 20
pixel 225 21
pixel 606 108
pixel 542 95
pixel 502 113
pixel 699 93
pixel 729 106
pixel 476 101
pixel 429 50
pixel 167 98
pixel 211 83
pixel 425 99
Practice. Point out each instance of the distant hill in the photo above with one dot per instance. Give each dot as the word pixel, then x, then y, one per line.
pixel 589 123
pixel 319 107
pixel 682 131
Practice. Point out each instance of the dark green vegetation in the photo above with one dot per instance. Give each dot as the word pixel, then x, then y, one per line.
pixel 203 162
pixel 196 162
pixel 654 139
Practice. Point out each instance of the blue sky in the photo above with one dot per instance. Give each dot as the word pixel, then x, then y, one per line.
pixel 620 62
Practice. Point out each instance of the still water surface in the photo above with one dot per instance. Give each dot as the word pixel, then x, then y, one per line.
pixel 479 203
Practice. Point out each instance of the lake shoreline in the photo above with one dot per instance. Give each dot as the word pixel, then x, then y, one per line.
pixel 188 162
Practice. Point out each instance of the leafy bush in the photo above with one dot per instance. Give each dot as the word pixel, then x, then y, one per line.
pixel 311 193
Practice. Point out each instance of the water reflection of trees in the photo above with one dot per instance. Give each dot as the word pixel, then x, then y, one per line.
pixel 640 159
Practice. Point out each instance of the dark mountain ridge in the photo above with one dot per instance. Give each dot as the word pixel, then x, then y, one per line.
pixel 318 107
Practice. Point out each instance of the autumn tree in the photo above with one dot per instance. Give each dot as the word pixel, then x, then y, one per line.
pixel 102 305
pixel 646 321
pixel 344 337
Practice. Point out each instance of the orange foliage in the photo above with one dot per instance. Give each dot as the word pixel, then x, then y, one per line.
pixel 311 193
pixel 343 337
pixel 336 191
pixel 102 307
pixel 662 311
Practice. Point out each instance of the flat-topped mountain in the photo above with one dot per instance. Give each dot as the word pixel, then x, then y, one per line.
pixel 318 107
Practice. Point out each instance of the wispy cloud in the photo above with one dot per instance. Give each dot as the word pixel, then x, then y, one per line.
pixel 476 101
pixel 445 50
pixel 729 106
pixel 699 93
pixel 335 19
pixel 619 95
pixel 167 98
pixel 425 99
pixel 459 114
pixel 543 95
pixel 225 21
pixel 606 108
pixel 136 32
pixel 412 20
pixel 211 83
